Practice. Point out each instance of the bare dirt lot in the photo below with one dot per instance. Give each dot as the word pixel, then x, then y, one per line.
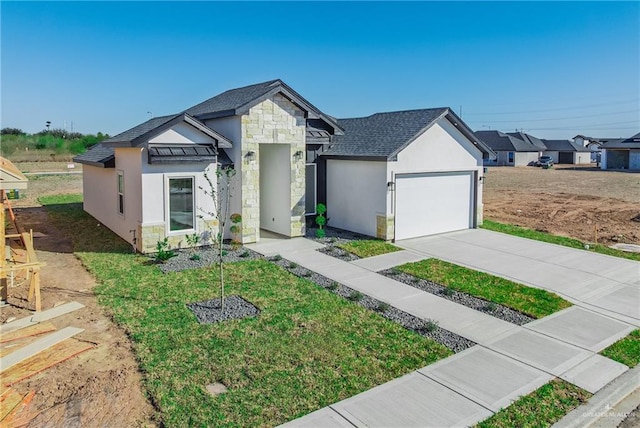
pixel 102 386
pixel 577 202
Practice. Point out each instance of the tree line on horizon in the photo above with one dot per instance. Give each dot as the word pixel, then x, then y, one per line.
pixel 54 141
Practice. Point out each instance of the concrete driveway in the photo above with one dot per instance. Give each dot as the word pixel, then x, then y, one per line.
pixel 607 285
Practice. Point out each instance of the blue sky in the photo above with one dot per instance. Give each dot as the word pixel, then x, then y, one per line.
pixel 553 69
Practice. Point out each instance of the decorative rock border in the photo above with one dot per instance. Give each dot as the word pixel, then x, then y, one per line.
pixel 206 257
pixel 423 327
pixel 235 308
pixel 490 308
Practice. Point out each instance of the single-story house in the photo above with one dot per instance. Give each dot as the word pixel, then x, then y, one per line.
pixel 623 153
pixel 512 149
pixel 567 152
pixel 390 175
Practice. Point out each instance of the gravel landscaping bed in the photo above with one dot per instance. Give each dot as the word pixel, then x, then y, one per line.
pixel 235 307
pixel 207 256
pixel 490 308
pixel 333 237
pixel 423 327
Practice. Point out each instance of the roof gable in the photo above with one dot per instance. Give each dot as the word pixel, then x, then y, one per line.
pixel 516 142
pixel 564 146
pixel 238 101
pixel 624 143
pixel 142 133
pixel 383 135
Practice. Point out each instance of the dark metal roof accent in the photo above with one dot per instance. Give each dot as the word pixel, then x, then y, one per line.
pixel 224 160
pixel 564 146
pixel 239 100
pixel 195 153
pixel 624 143
pixel 384 135
pixel 142 133
pixel 98 155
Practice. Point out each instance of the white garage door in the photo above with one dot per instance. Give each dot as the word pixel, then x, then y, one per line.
pixel 432 203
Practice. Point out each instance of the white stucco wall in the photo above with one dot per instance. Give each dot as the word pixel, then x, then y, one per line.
pixel 99 193
pixel 603 159
pixel 581 158
pixel 100 188
pixel 356 193
pixel 182 133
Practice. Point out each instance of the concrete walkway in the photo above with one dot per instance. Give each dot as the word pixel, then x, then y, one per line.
pixel 607 285
pixel 464 389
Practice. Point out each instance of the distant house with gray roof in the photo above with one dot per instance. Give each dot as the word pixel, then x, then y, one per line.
pixel 623 153
pixel 512 149
pixel 567 152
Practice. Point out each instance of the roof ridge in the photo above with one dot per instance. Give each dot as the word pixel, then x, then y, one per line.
pixel 395 111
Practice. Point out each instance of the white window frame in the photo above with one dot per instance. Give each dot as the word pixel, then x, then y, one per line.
pixel 120 193
pixel 167 204
pixel 315 187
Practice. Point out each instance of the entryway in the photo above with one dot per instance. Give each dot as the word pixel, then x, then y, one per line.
pixel 275 188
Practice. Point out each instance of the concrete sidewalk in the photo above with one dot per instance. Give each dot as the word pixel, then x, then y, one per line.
pixel 464 389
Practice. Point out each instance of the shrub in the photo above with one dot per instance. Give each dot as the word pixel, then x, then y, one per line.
pixel 447 291
pixel 333 286
pixel 12 131
pixel 164 252
pixel 276 258
pixel 244 254
pixel 195 257
pixel 355 296
pixel 292 265
pixel 429 326
pixel 383 307
pixel 490 306
pixel 320 233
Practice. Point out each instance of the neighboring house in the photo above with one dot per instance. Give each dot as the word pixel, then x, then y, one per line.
pixel 512 149
pixel 387 175
pixel 621 154
pixel 593 144
pixel 567 152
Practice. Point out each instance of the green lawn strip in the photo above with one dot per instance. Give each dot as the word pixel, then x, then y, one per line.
pixel 543 407
pixel 625 350
pixel 368 247
pixel 524 232
pixel 307 349
pixel 531 301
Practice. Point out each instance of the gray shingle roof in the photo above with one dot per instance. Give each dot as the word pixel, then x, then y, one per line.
pixel 501 142
pixel 381 134
pixel 564 146
pixel 384 135
pixel 97 155
pixel 131 134
pixel 238 101
pixel 624 143
pixel 530 139
pixel 233 99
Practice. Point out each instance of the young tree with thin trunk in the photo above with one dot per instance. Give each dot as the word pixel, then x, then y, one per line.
pixel 221 201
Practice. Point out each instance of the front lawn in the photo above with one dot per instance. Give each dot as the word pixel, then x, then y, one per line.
pixel 625 350
pixel 308 348
pixel 542 408
pixel 524 232
pixel 368 247
pixel 530 301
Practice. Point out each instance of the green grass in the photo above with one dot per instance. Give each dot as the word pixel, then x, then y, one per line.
pixel 542 408
pixel 531 301
pixel 524 232
pixel 368 247
pixel 307 349
pixel 625 350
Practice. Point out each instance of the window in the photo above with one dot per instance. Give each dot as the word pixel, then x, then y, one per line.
pixel 510 157
pixel 121 192
pixel 310 191
pixel 181 215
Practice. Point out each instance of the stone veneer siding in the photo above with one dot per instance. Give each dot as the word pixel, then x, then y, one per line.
pixel 274 121
pixel 385 227
pixel 148 236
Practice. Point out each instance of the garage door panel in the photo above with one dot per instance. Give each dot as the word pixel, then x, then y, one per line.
pixel 427 204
